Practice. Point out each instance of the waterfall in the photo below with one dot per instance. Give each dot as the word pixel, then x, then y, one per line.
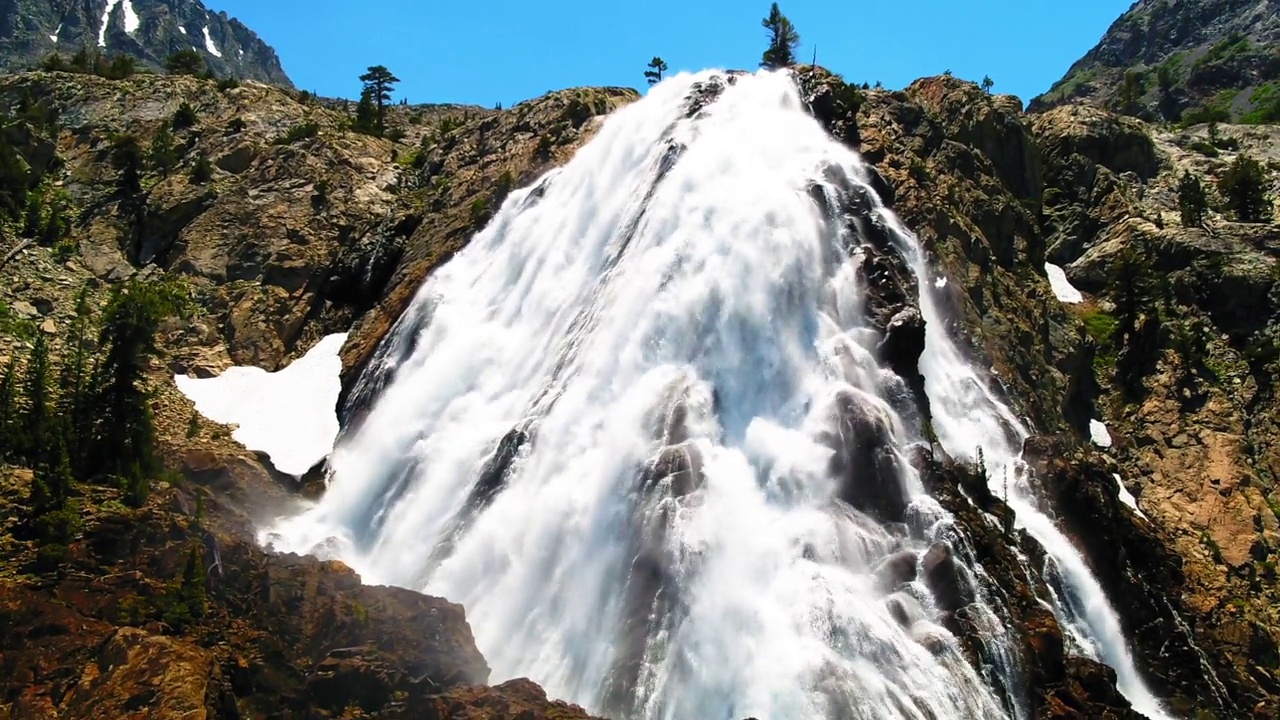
pixel 640 430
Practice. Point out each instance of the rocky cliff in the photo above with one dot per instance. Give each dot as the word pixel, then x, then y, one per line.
pixel 1218 57
pixel 299 227
pixel 149 30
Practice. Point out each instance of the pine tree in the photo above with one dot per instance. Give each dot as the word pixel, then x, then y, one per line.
pixel 366 115
pixel 33 217
pixel 202 171
pixel 184 117
pixel 11 435
pixel 163 155
pixel 783 40
pixel 37 415
pixel 1193 203
pixel 73 380
pixel 192 587
pixel 378 84
pixel 1243 187
pixel 987 84
pixel 185 62
pixel 123 441
pixel 1131 94
pixel 656 68
pixel 1168 102
pixel 126 155
pixel 15 176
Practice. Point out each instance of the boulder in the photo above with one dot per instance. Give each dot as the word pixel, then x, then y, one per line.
pixel 865 463
pixel 947 581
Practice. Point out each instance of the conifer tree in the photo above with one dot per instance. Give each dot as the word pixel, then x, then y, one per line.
pixel 656 68
pixel 73 380
pixel 14 180
pixel 1166 100
pixel 163 155
pixel 1243 187
pixel 123 442
pixel 185 62
pixel 378 84
pixel 783 40
pixel 987 84
pixel 37 416
pixel 192 587
pixel 11 435
pixel 33 217
pixel 1193 204
pixel 1130 102
pixel 366 115
pixel 126 155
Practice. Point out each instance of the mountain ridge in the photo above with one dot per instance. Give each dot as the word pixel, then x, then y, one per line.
pixel 1217 57
pixel 147 30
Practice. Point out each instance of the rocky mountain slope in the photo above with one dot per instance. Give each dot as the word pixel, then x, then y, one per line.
pixel 1218 57
pixel 149 30
pixel 283 225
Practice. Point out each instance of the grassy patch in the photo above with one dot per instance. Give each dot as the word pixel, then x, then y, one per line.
pixel 14 325
pixel 1266 105
pixel 298 132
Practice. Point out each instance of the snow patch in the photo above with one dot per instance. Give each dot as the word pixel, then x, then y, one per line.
pixel 1099 434
pixel 182 30
pixel 1062 287
pixel 290 415
pixel 1127 497
pixel 106 17
pixel 208 43
pixel 131 21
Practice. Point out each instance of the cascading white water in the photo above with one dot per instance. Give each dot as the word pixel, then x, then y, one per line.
pixel 673 297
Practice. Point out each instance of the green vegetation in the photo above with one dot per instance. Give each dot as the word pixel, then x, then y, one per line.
pixel 1100 326
pixel 371 113
pixel 163 156
pixel 184 117
pixel 90 62
pixel 1130 100
pixel 1193 202
pixel 302 131
pixel 185 62
pixel 180 603
pixel 987 84
pixel 1233 45
pixel 1266 105
pixel 656 68
pixel 202 171
pixel 88 418
pixel 1217 109
pixel 783 40
pixel 1243 189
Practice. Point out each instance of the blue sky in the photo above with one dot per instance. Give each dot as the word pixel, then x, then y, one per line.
pixel 489 51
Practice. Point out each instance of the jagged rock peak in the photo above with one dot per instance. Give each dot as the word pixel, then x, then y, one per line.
pixel 149 30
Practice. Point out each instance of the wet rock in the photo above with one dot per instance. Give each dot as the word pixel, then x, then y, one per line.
pixel 865 462
pixel 902 346
pixel 946 580
pixel 896 570
pixel 679 465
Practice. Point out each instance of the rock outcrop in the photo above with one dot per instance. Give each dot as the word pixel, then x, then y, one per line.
pixel 147 30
